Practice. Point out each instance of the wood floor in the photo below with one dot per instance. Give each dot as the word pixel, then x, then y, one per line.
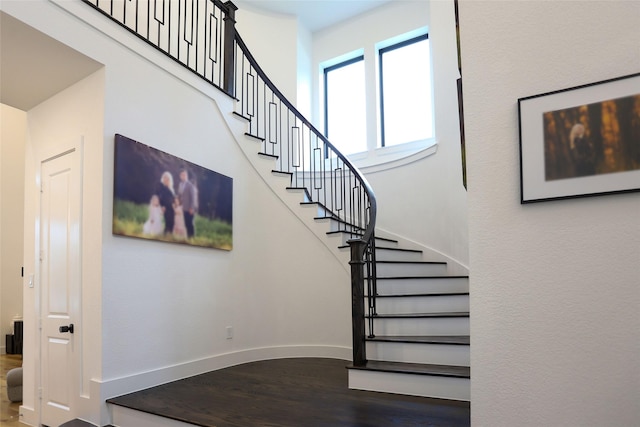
pixel 310 392
pixel 8 410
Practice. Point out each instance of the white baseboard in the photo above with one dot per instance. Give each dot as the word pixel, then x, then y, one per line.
pixel 28 416
pixel 118 386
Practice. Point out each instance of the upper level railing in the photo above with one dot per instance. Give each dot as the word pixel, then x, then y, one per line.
pixel 201 35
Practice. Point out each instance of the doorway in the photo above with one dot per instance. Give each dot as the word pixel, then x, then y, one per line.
pixel 60 288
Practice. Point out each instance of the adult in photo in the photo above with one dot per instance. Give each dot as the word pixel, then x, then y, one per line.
pixel 582 152
pixel 188 196
pixel 167 196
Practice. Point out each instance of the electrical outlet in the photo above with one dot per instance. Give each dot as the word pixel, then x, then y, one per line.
pixel 229 332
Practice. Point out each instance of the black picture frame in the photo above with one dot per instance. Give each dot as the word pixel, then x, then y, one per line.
pixel 581 141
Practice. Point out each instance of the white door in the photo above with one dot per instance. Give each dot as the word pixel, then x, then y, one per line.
pixel 60 288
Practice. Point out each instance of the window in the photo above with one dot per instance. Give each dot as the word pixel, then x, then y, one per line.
pixel 405 92
pixel 388 115
pixel 345 107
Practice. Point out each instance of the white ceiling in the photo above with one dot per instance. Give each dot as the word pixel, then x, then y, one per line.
pixel 315 15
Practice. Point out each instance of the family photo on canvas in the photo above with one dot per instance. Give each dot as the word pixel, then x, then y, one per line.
pixel 159 196
pixel 172 208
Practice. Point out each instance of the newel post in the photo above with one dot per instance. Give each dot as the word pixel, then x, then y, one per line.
pixel 357 301
pixel 229 38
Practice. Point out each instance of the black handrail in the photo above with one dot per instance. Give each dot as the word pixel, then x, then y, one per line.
pixel 367 233
pixel 201 36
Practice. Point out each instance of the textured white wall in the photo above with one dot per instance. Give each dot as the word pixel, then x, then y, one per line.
pixel 555 286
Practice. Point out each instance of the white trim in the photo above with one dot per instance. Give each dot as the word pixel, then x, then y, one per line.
pixel 140 381
pixel 27 416
pixel 386 158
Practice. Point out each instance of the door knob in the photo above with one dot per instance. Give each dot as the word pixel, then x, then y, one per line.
pixel 64 329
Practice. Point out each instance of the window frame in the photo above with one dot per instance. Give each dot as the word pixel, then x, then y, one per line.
pixel 381 106
pixel 377 158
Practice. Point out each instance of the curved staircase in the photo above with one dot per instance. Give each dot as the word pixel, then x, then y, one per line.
pixel 414 336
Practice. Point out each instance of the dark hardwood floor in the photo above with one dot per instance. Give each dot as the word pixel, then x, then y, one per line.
pixel 309 392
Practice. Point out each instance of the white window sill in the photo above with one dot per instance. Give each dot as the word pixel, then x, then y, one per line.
pixel 386 158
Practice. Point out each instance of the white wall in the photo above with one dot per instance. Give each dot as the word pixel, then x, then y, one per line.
pixel 155 312
pixel 421 198
pixel 13 127
pixel 262 288
pixel 273 40
pixel 555 286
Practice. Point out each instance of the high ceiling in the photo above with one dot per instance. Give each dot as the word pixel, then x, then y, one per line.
pixel 315 15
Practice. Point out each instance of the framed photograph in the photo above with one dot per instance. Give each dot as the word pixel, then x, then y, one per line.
pixel 158 196
pixel 582 141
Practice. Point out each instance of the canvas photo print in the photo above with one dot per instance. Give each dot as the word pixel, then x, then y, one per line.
pixel 158 196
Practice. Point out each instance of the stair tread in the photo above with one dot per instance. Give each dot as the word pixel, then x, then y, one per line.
pixel 360 234
pixel 256 137
pixel 425 294
pixel 388 249
pixel 416 368
pixel 412 262
pixel 419 277
pixel 423 339
pixel 419 315
pixel 271 156
pixel 382 248
pixel 339 220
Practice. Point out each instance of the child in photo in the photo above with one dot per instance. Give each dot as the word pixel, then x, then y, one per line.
pixel 179 227
pixel 154 225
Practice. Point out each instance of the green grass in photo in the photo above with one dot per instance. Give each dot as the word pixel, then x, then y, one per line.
pixel 129 218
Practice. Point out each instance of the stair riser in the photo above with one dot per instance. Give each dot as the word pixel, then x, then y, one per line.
pixel 439 304
pixel 415 385
pixel 410 270
pixel 437 354
pixel 416 286
pixel 429 326
pixel 390 255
